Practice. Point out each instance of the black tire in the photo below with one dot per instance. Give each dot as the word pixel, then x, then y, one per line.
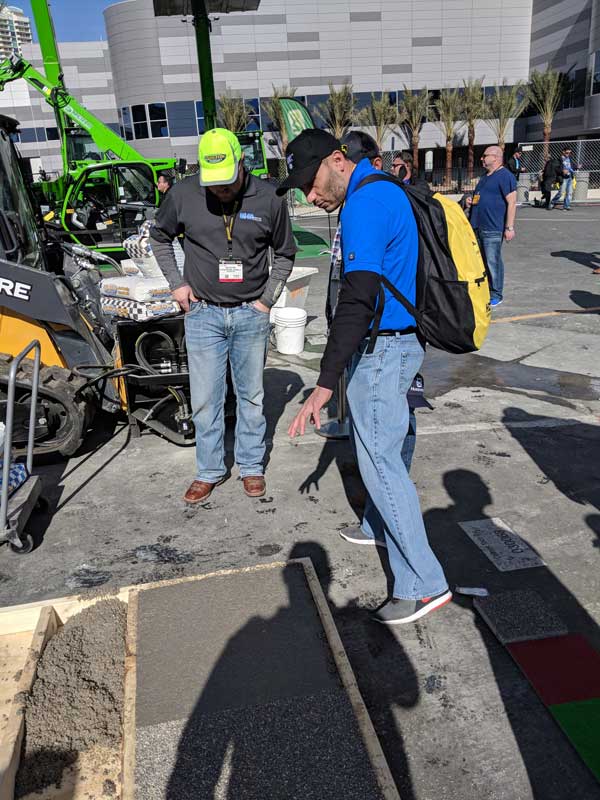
pixel 27 546
pixel 71 413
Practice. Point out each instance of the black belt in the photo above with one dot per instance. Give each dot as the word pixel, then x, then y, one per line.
pixel 228 305
pixel 401 332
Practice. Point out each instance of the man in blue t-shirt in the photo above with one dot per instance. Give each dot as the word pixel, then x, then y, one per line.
pixel 379 237
pixel 493 216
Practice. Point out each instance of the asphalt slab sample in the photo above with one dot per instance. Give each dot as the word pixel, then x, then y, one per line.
pixel 238 695
pixel 77 699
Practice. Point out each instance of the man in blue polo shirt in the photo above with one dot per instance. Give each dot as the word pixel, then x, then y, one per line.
pixel 493 216
pixel 379 237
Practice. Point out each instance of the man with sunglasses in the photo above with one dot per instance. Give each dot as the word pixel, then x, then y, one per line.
pixel 493 216
pixel 403 168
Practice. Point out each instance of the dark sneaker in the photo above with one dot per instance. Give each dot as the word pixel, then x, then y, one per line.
pixel 356 535
pixel 399 612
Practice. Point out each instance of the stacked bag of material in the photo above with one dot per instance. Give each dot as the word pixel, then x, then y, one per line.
pixel 142 293
pixel 17 474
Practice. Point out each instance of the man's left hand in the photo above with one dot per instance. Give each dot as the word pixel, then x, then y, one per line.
pixel 509 236
pixel 310 411
pixel 261 307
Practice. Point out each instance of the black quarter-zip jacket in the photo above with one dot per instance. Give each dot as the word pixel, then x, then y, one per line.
pixel 261 222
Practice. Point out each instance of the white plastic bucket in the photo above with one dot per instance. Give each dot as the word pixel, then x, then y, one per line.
pixel 289 330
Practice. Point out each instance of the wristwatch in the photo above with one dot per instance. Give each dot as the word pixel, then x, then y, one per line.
pixel 509 228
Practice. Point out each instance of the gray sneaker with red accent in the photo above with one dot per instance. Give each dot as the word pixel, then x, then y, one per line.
pixel 399 612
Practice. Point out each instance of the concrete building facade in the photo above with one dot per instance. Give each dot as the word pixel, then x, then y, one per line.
pixel 144 79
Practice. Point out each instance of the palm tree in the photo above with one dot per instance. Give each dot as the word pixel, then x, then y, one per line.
pixel 545 92
pixel 234 112
pixel 273 109
pixel 338 111
pixel 414 112
pixel 506 103
pixel 474 109
pixel 381 115
pixel 449 108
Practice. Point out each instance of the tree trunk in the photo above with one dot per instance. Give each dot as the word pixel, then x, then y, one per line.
pixel 471 156
pixel 448 180
pixel 547 132
pixel 415 144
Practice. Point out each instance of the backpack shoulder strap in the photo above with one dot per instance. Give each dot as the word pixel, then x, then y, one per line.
pixel 412 310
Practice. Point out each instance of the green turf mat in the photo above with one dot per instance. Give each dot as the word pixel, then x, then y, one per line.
pixel 311 244
pixel 581 722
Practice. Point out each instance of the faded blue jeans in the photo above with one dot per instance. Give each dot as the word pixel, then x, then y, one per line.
pixel 379 416
pixel 215 336
pixel 565 188
pixel 490 243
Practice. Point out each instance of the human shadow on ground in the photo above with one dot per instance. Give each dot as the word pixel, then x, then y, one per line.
pixel 554 769
pixel 583 258
pixel 586 300
pixel 566 454
pixel 272 720
pixel 384 672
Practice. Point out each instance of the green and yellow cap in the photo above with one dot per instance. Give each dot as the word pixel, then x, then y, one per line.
pixel 219 156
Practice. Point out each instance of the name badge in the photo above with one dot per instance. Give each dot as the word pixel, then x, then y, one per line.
pixel 231 270
pixel 475 199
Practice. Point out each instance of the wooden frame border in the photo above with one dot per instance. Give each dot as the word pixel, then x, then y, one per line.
pixel 374 751
pixel 45 618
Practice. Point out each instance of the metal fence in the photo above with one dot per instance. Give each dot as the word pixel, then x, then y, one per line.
pixel 586 154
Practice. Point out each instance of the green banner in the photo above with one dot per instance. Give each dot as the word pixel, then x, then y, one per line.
pixel 296 117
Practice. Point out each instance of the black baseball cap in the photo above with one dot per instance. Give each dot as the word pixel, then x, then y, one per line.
pixel 358 145
pixel 304 155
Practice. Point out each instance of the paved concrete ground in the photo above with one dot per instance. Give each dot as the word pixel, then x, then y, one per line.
pixel 515 435
pixel 238 695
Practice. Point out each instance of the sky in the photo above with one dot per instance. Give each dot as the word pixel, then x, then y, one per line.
pixel 74 20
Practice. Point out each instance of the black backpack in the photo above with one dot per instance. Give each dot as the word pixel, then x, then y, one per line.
pixel 452 309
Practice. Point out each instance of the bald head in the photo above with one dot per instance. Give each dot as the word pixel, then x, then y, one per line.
pixel 492 158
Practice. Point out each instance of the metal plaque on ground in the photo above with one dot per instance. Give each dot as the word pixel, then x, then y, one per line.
pixel 504 548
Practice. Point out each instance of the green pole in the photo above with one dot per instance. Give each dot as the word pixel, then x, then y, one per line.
pixel 49 49
pixel 202 25
pixel 47 40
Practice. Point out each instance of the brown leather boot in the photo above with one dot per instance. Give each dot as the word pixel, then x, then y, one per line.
pixel 199 491
pixel 254 485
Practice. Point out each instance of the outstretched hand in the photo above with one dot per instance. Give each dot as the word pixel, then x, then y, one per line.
pixel 310 411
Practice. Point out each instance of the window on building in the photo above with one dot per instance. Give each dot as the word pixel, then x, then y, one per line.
pixel 126 123
pixel 254 120
pixel 52 135
pixel 200 116
pixel 595 73
pixel 28 135
pixel 181 116
pixel 15 137
pixel 40 134
pixel 157 114
pixel 140 122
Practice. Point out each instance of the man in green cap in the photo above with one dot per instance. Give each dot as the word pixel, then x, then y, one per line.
pixel 229 220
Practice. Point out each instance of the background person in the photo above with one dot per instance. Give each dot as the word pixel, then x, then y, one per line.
pixel 515 164
pixel 379 237
pixel 568 168
pixel 164 183
pixel 229 219
pixel 493 216
pixel 551 173
pixel 403 168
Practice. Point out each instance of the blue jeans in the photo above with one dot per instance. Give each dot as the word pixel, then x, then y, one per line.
pixel 565 188
pixel 490 243
pixel 379 416
pixel 215 336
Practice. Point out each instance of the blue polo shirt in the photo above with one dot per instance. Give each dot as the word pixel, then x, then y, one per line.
pixel 379 234
pixel 488 211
